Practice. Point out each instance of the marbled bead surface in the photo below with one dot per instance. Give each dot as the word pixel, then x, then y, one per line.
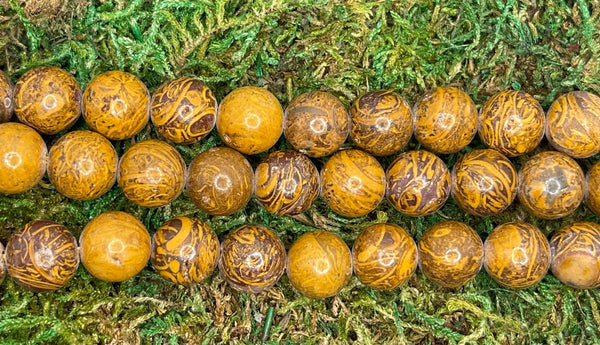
pixel 2 264
pixel 319 264
pixel 6 98
pixel 184 110
pixel 116 104
pixel 353 183
pixel 445 120
pixel 381 122
pixel 573 124
pixel 48 99
pixel 575 252
pixel 592 190
pixel 316 124
pixel 185 250
pixel 516 255
pixel 42 256
pixel 551 185
pixel 384 256
pixel 450 253
pixel 82 165
pixel 252 258
pixel 151 173
pixel 512 122
pixel 484 182
pixel 286 183
pixel 418 183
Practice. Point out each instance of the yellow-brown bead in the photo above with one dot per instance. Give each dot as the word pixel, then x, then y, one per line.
pixel 445 120
pixel 592 191
pixel 381 122
pixel 573 125
pixel 82 165
pixel 250 120
pixel 252 258
pixel 352 183
pixel 151 173
pixel 316 124
pixel 114 246
pixel 23 155
pixel 319 264
pixel 116 104
pixel 484 182
pixel 384 256
pixel 48 99
pixel 185 250
pixel 2 264
pixel 575 252
pixel 516 255
pixel 42 256
pixel 184 110
pixel 551 185
pixel 512 122
pixel 220 181
pixel 418 183
pixel 286 183
pixel 450 253
pixel 6 98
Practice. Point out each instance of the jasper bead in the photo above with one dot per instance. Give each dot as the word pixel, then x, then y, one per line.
pixel 6 98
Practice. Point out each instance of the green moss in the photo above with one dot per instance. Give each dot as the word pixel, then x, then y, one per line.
pixel 544 47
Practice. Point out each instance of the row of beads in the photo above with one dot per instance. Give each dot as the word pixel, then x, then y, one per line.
pixel 251 120
pixel 83 165
pixel 115 246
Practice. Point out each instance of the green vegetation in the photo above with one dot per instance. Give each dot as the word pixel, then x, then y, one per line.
pixel 544 47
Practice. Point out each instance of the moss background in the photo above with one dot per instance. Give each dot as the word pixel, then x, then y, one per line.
pixel 544 47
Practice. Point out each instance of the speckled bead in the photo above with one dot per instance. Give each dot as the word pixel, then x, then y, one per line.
pixel 82 165
pixel 381 122
pixel 484 182
pixel 252 258
pixel 551 185
pixel 573 124
pixel 316 124
pixel 384 256
pixel 185 250
pixel 450 253
pixel 250 120
pixel 184 110
pixel 48 99
pixel 319 264
pixel 516 255
pixel 42 256
pixel 6 98
pixel 151 173
pixel 116 104
pixel 445 120
pixel 220 181
pixel 575 252
pixel 114 246
pixel 352 183
pixel 418 183
pixel 512 122
pixel 592 192
pixel 23 155
pixel 286 183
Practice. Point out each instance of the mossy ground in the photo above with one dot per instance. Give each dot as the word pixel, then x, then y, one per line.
pixel 544 47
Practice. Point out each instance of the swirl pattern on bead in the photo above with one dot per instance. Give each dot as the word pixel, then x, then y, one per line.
pixel 381 122
pixel 42 256
pixel 48 99
pixel 252 258
pixel 484 182
pixel 573 125
pixel 512 122
pixel 316 123
pixel 185 250
pixel 384 256
pixel 418 183
pixel 184 110
pixel 551 185
pixel 516 255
